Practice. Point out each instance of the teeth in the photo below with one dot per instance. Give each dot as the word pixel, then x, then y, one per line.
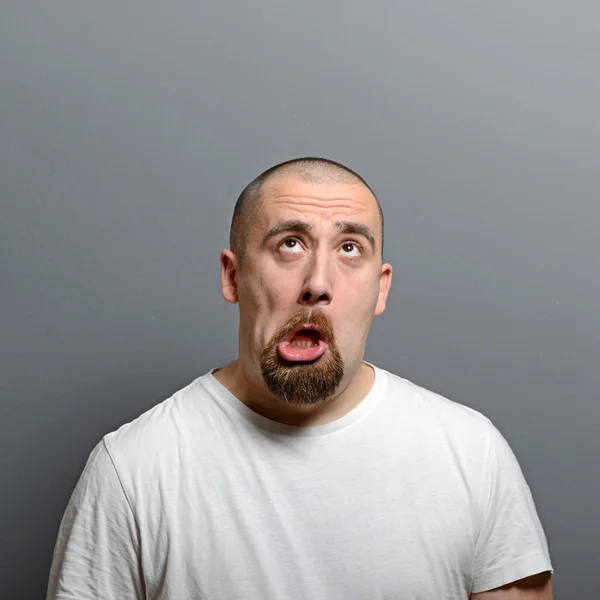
pixel 303 344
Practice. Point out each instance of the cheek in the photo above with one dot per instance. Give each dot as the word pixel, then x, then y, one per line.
pixel 279 285
pixel 356 310
pixel 262 296
pixel 361 295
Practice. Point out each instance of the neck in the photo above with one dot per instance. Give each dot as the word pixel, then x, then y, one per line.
pixel 253 393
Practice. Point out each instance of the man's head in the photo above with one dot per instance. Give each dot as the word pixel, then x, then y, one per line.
pixel 309 169
pixel 305 265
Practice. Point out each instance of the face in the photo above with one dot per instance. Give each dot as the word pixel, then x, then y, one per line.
pixel 311 282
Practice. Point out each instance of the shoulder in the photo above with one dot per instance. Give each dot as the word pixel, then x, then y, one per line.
pixel 432 408
pixel 442 428
pixel 158 432
pixel 449 427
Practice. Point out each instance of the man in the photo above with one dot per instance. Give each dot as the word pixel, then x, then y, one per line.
pixel 300 471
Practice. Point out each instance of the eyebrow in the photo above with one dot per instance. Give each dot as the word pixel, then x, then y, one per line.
pixel 297 225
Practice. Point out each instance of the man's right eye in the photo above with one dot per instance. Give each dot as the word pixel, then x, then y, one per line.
pixel 291 246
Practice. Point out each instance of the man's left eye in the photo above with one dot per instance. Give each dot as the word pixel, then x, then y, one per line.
pixel 349 246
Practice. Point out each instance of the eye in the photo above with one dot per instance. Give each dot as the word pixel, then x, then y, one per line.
pixel 352 246
pixel 291 246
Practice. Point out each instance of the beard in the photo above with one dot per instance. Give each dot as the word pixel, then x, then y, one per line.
pixel 303 383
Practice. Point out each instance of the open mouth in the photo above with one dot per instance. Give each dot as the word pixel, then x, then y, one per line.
pixel 303 343
pixel 305 336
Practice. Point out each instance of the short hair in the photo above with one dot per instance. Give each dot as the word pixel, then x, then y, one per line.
pixel 309 168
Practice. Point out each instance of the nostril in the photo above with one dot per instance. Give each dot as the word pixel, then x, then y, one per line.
pixel 309 297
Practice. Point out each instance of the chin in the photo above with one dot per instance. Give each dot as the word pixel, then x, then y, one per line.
pixel 303 383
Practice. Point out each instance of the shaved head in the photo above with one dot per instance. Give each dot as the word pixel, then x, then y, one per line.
pixel 309 169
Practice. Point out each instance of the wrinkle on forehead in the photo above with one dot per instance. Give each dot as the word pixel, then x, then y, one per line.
pixel 314 210
pixel 354 197
pixel 284 198
pixel 301 203
pixel 293 187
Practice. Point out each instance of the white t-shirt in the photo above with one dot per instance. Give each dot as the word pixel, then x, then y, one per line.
pixel 408 496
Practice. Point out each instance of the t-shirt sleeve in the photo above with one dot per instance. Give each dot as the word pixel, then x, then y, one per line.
pixel 511 543
pixel 97 553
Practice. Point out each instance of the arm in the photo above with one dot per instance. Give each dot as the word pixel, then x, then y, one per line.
pixel 511 552
pixel 97 553
pixel 536 587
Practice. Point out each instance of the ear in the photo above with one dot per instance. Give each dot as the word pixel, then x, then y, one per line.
pixel 229 270
pixel 385 282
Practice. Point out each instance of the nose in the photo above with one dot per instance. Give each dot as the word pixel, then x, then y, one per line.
pixel 317 287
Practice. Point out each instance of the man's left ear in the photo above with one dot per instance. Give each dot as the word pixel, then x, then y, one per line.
pixel 385 282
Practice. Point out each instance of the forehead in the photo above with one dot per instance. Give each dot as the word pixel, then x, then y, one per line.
pixel 285 197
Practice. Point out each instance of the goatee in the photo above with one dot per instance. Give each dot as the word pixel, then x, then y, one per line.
pixel 303 383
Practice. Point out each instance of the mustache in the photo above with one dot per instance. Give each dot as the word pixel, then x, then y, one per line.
pixel 315 317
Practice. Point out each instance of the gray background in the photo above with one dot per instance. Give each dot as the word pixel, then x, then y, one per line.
pixel 127 130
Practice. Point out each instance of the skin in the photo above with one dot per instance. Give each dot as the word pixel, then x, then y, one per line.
pixel 536 587
pixel 338 273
